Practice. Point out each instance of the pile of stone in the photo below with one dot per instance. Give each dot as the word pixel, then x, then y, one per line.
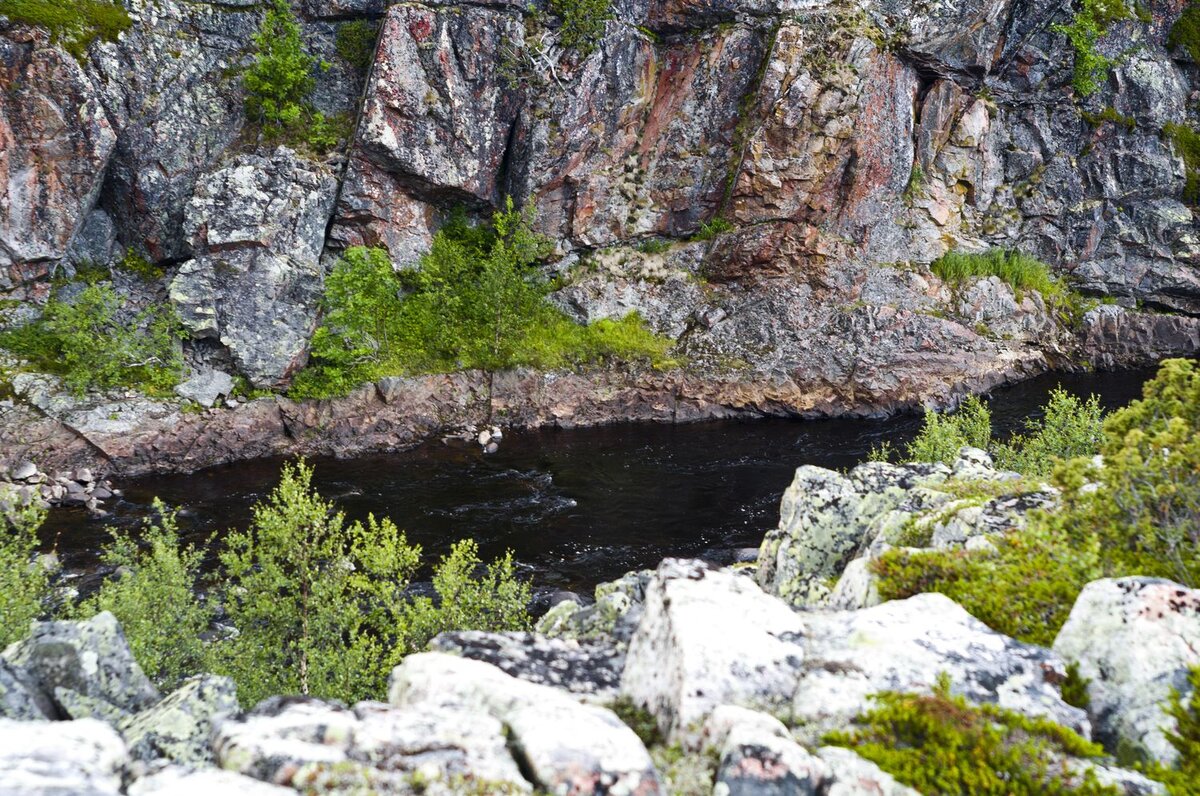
pixel 731 676
pixel 26 485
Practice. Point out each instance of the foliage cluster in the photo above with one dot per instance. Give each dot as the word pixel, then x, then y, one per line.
pixel 1184 778
pixel 712 228
pixel 153 571
pixel 1185 33
pixel 941 744
pixel 1019 271
pixel 1187 142
pixel 355 42
pixel 24 582
pixel 1089 23
pixel 74 25
pixel 477 301
pixel 583 23
pixel 278 83
pixel 94 342
pixel 136 263
pixel 320 605
pixel 1138 514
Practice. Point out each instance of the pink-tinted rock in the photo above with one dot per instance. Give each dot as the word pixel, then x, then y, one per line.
pixel 55 142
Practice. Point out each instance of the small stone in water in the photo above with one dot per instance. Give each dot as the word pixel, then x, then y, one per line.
pixel 491 447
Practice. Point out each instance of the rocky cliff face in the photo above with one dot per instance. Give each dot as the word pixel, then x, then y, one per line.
pixel 842 145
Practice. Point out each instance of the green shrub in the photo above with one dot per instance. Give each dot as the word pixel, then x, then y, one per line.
pixel 1138 514
pixel 1075 688
pixel 493 600
pixel 355 42
pixel 1185 33
pixel 24 583
pixel 91 345
pixel 1070 427
pixel 943 435
pixel 582 23
pixel 320 604
pixel 1146 508
pixel 136 263
pixel 1087 26
pixel 712 228
pixel 942 744
pixel 1184 778
pixel 153 571
pixel 1020 271
pixel 1187 141
pixel 278 83
pixel 1025 589
pixel 477 301
pixel 316 601
pixel 73 24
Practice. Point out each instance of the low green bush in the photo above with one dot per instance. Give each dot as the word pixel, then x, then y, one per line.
pixel 1183 779
pixel 478 300
pixel 712 228
pixel 73 24
pixel 95 343
pixel 1070 427
pixel 582 23
pixel 1187 141
pixel 943 434
pixel 355 42
pixel 24 582
pixel 1138 514
pixel 153 569
pixel 320 603
pixel 1025 589
pixel 1185 33
pixel 279 81
pixel 941 744
pixel 1087 26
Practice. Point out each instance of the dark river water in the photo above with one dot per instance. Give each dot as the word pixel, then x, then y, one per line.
pixel 575 507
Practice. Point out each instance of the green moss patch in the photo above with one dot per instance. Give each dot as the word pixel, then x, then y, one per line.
pixel 73 24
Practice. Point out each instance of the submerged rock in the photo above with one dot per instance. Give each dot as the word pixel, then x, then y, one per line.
pixel 1135 640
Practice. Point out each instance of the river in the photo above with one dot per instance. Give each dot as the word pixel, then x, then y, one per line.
pixel 576 507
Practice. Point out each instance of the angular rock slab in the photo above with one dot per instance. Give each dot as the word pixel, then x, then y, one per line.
pixel 711 637
pixel 1135 639
pixel 759 757
pixel 181 781
pixel 55 142
pixel 903 645
pixel 591 671
pixel 20 698
pixel 257 228
pixel 851 775
pixel 44 758
pixel 89 658
pixel 563 745
pixel 306 743
pixel 178 727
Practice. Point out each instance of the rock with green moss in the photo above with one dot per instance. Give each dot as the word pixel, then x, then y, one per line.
pixel 828 520
pixel 179 726
pixel 1134 640
pixel 89 658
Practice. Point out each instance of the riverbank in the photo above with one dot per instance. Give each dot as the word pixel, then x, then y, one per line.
pixel 130 435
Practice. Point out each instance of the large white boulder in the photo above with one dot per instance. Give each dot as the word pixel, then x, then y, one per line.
pixel 51 758
pixel 712 637
pixel 565 746
pixel 1135 639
